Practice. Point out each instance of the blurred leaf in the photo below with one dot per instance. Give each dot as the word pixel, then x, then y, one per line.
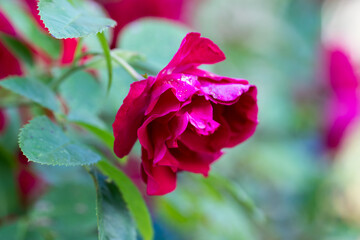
pixel 19 230
pixel 157 39
pixel 30 29
pixel 239 196
pixel 65 20
pixel 114 220
pixel 82 95
pixel 132 197
pixel 106 50
pixel 44 142
pixel 66 212
pixel 7 231
pixel 18 47
pixel 308 20
pixel 9 200
pixel 104 135
pixel 33 90
pixel 9 136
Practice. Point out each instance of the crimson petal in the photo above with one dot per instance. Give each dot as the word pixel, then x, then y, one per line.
pixel 130 116
pixel 194 51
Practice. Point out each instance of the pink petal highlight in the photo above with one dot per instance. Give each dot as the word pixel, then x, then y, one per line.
pixel 343 107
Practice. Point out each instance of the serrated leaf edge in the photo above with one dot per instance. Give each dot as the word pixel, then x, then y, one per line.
pixel 75 36
pixel 20 146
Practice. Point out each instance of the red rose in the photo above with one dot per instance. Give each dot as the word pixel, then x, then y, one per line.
pixel 2 121
pixel 185 116
pixel 30 185
pixel 10 65
pixel 343 105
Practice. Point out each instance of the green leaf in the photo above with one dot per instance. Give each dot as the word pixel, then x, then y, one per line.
pixel 8 137
pixel 84 104
pixel 104 135
pixel 33 90
pixel 106 50
pixel 65 20
pixel 44 142
pixel 66 211
pixel 114 220
pixel 239 195
pixel 158 40
pixel 8 231
pixel 18 47
pixel 132 197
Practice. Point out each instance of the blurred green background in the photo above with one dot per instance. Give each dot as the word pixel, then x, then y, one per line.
pixel 283 183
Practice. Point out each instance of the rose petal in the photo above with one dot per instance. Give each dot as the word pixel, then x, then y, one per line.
pixel 223 92
pixel 177 125
pixel 69 46
pixel 5 25
pixel 152 134
pixel 182 85
pixel 343 108
pixel 9 63
pixel 168 160
pixel 130 116
pixel 206 143
pixel 340 119
pixel 160 179
pixel 342 77
pixel 2 120
pixel 193 161
pixel 209 76
pixel 194 51
pixel 241 117
pixel 33 8
pixel 200 115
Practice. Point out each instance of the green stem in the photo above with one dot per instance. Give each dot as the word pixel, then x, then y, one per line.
pixel 14 103
pixel 106 50
pixel 127 67
pixel 22 228
pixel 65 75
pixel 82 55
pixel 73 69
pixel 77 53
